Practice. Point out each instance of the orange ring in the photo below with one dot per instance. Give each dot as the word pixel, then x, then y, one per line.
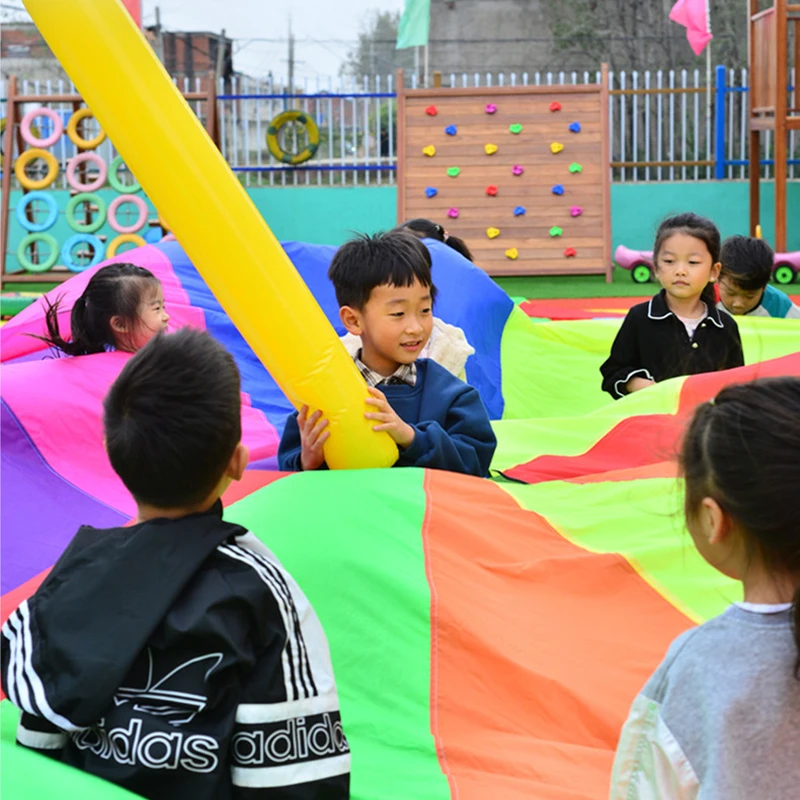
pixel 76 138
pixel 114 244
pixel 32 155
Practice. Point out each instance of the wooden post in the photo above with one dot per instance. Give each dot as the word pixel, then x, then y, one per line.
pixel 755 179
pixel 781 114
pixel 606 173
pixel 437 79
pixel 400 143
pixel 8 156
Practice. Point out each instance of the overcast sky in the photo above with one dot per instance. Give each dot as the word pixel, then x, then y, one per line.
pixel 324 30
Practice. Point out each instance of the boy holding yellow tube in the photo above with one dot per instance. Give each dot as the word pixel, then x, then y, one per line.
pixel 385 292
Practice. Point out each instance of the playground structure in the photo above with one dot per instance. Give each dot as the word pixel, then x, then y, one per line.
pixel 519 172
pixel 770 32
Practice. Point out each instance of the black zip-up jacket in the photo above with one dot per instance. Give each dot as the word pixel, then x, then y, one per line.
pixel 653 343
pixel 178 659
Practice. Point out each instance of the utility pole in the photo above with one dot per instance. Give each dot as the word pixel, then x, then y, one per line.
pixel 220 55
pixel 159 36
pixel 291 58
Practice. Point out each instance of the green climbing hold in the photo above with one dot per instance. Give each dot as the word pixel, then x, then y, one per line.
pixel 515 128
pixel 453 171
pixel 556 231
pixel 575 168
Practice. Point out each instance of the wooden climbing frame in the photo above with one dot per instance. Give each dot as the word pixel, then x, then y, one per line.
pixel 583 245
pixel 770 32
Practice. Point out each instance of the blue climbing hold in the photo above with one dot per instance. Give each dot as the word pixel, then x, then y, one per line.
pixel 431 191
pixel 575 127
pixel 558 189
pixel 451 130
pixel 519 211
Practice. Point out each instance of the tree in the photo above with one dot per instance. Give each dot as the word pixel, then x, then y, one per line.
pixel 375 53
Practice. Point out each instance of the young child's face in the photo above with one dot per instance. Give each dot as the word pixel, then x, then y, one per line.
pixel 684 266
pixel 153 318
pixel 396 323
pixel 736 299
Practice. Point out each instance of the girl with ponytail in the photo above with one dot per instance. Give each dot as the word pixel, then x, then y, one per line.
pixel 122 308
pixel 720 718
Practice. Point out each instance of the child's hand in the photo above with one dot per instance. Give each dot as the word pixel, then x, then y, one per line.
pixel 400 431
pixel 637 383
pixel 313 435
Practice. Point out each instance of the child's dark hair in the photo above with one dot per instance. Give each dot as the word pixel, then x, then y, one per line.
pixel 426 229
pixel 700 228
pixel 396 258
pixel 742 449
pixel 113 291
pixel 747 262
pixel 173 419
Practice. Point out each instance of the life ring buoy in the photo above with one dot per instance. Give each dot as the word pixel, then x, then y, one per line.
pixel 96 223
pixel 76 138
pixel 33 238
pixel 114 181
pixel 81 238
pixel 124 238
pixel 114 207
pixel 32 155
pixel 274 129
pixel 31 138
pixel 52 212
pixel 92 186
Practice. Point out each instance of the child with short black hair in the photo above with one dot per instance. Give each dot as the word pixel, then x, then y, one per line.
pixel 744 288
pixel 680 331
pixel 121 308
pixel 428 229
pixel 720 718
pixel 166 657
pixel 385 293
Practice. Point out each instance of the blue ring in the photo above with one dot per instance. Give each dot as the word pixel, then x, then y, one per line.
pixel 82 238
pixel 52 211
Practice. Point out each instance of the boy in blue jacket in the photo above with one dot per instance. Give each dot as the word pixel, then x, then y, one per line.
pixel 385 292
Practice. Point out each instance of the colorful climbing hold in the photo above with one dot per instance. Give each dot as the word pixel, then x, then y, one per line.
pixel 431 191
pixel 556 231
pixel 431 111
pixel 570 252
pixel 515 128
pixel 575 167
pixel 576 211
pixel 512 253
pixel 490 149
pixel 453 171
pixel 429 150
pixel 491 191
pixel 519 211
pixel 451 130
pixel 493 233
pixel 490 108
pixel 556 147
pixel 517 169
pixel 558 189
pixel 452 213
pixel 575 127
pixel 555 106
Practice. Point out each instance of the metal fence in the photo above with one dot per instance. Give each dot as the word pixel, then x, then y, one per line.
pixel 664 125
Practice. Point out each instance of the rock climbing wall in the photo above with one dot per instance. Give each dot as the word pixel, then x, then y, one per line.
pixel 520 173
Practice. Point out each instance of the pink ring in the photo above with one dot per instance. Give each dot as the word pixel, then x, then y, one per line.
pixel 96 184
pixel 114 206
pixel 27 121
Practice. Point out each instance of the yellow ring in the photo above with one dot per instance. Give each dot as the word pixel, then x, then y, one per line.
pixel 76 138
pixel 273 145
pixel 124 238
pixel 32 155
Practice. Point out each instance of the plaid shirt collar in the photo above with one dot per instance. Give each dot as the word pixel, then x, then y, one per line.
pixel 405 373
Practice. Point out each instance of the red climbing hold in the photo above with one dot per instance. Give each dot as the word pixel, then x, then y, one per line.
pixel 555 106
pixel 491 191
pixel 570 252
pixel 431 111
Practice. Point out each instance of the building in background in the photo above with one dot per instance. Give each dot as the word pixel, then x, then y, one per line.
pixel 24 53
pixel 193 54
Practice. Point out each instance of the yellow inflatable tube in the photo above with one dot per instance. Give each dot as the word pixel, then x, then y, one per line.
pixel 187 179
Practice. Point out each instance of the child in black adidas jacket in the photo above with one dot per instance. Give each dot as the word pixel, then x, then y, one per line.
pixel 177 658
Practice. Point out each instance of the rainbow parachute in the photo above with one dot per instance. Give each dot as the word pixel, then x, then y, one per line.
pixel 488 636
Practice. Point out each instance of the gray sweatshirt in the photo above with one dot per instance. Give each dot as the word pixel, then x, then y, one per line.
pixel 720 718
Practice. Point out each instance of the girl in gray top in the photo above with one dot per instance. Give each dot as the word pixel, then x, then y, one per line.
pixel 720 718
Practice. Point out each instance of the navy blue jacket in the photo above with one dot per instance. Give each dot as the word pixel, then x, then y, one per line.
pixel 452 428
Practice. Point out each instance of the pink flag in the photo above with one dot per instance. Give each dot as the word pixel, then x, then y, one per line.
pixel 693 15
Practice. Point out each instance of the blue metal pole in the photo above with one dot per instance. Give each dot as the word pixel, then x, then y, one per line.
pixel 719 146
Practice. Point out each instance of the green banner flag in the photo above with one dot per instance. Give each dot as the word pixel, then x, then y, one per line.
pixel 414 24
